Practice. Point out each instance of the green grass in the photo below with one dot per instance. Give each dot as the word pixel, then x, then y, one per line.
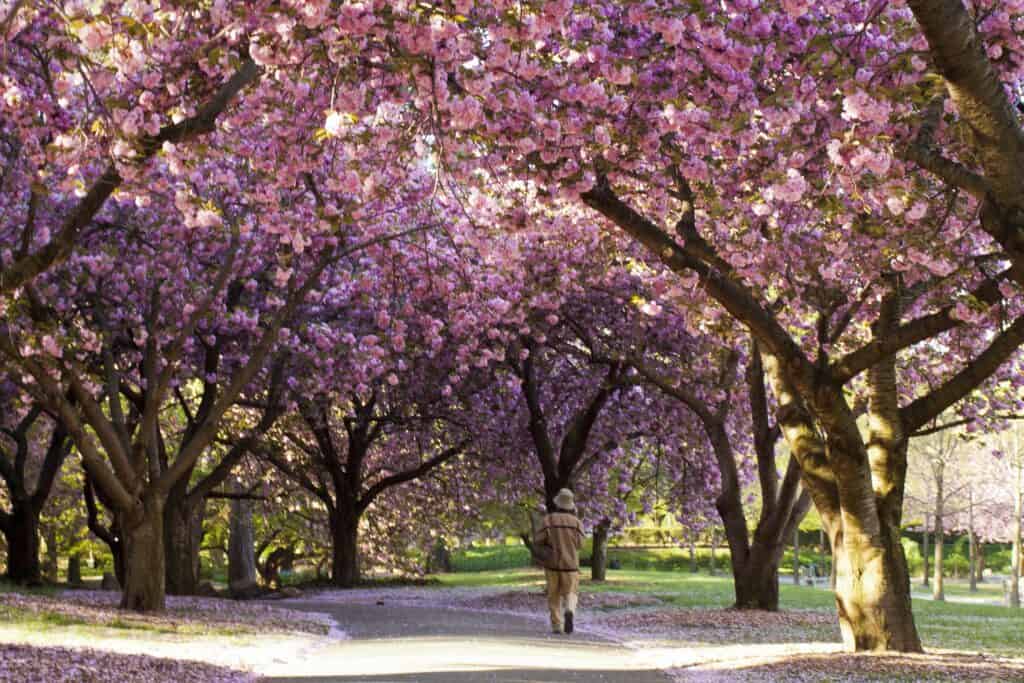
pixel 989 590
pixel 990 629
pixel 490 558
pixel 669 558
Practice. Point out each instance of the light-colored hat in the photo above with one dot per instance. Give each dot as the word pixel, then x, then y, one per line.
pixel 565 500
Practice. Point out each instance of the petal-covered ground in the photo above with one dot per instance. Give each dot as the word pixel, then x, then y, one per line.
pixel 183 614
pixel 795 667
pixel 194 639
pixel 82 636
pixel 25 663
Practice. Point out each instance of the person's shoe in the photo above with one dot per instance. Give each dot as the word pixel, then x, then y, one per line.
pixel 555 629
pixel 568 622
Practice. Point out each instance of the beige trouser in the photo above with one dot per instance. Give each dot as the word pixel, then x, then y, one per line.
pixel 562 590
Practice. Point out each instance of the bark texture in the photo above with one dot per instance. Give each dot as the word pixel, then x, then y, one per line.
pixel 872 583
pixel 21 531
pixel 925 557
pixel 241 544
pixel 938 584
pixel 143 588
pixel 183 535
pixel 26 498
pixel 599 556
pixel 345 550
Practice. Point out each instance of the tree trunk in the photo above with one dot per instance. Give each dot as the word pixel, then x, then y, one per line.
pixel 872 582
pixel 117 552
pixel 241 544
pixel 599 556
pixel 873 597
pixel 1018 510
pixel 693 552
pixel 821 553
pixel 972 545
pixel 757 580
pixel 50 568
pixel 796 556
pixel 144 568
pixel 937 588
pixel 714 547
pixel 832 572
pixel 345 566
pixel 74 569
pixel 22 536
pixel 183 534
pixel 925 557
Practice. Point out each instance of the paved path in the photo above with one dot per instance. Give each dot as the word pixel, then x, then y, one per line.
pixel 429 645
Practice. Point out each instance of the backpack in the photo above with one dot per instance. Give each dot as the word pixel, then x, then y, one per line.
pixel 543 554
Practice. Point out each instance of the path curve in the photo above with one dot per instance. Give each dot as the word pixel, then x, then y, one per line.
pixel 401 643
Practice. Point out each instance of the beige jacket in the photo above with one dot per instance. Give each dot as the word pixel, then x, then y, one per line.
pixel 563 531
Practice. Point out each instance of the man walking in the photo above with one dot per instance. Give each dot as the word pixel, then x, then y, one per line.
pixel 562 531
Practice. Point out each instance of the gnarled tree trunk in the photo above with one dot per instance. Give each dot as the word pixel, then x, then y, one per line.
pixel 872 582
pixel 143 528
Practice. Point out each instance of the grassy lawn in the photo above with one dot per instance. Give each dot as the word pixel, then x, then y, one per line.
pixel 990 590
pixel 668 558
pixel 977 628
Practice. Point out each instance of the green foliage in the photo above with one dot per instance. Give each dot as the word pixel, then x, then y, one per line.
pixel 912 549
pixel 490 558
pixel 652 535
pixel 999 559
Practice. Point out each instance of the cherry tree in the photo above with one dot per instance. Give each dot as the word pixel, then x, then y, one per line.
pixel 374 381
pixel 34 449
pixel 661 106
pixel 132 354
pixel 1009 508
pixel 940 472
pixel 90 95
